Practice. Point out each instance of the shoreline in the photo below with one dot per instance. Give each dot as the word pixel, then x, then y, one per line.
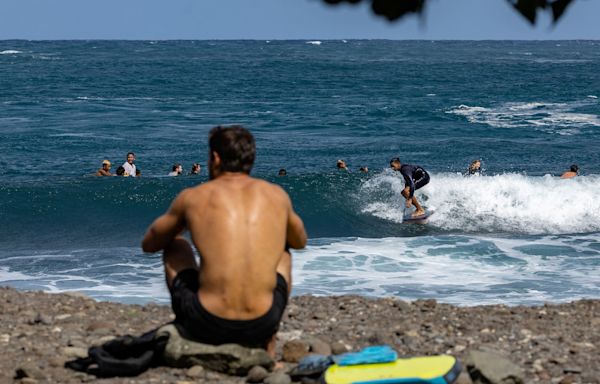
pixel 551 343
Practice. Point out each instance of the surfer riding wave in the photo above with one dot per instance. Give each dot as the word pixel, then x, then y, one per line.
pixel 415 177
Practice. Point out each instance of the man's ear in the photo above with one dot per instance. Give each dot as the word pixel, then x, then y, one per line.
pixel 216 159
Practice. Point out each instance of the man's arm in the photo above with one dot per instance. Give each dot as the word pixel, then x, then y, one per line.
pixel 296 235
pixel 164 229
pixel 408 182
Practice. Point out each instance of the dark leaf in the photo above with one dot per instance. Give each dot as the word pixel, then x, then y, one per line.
pixel 528 8
pixel 395 9
pixel 558 8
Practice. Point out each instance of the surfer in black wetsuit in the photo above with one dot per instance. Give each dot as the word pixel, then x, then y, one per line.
pixel 415 177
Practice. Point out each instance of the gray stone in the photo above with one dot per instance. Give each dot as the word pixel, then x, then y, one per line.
pixel 74 352
pixel 463 378
pixel 231 359
pixel 295 350
pixel 195 371
pixel 29 371
pixel 278 378
pixel 319 347
pixel 337 348
pixel 257 374
pixel 488 367
pixel 40 318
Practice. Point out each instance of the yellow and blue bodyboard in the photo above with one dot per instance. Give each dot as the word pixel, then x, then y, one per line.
pixel 441 369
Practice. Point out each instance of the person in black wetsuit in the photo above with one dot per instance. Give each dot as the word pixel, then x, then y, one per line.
pixel 415 178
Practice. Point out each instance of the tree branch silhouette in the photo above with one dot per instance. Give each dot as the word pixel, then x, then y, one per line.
pixel 396 9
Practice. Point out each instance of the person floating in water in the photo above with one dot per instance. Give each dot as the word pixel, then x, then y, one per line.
pixel 105 170
pixel 195 169
pixel 121 172
pixel 129 165
pixel 176 170
pixel 341 165
pixel 474 168
pixel 243 229
pixel 282 172
pixel 415 178
pixel 572 172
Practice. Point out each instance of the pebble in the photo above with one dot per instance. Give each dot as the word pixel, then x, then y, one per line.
pixel 257 374
pixel 74 352
pixel 278 377
pixel 195 371
pixel 29 371
pixel 40 318
pixel 319 347
pixel 572 370
pixel 294 350
pixel 537 366
pixel 567 380
pixel 338 347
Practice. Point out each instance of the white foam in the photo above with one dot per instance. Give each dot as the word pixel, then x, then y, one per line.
pixel 463 269
pixel 454 269
pixel 502 203
pixel 10 52
pixel 549 117
pixel 7 275
pixel 315 42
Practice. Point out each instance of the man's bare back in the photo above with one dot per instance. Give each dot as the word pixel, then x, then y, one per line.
pixel 242 227
pixel 238 224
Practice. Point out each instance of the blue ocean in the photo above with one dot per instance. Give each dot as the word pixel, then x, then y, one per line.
pixel 518 234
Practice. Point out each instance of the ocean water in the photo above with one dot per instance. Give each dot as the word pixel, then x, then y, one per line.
pixel 516 235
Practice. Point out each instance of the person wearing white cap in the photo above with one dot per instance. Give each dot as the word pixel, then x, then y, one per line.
pixel 105 170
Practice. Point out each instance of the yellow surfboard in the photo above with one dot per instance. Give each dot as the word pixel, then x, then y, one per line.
pixel 442 369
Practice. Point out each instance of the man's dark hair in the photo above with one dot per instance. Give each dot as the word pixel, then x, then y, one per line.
pixel 574 168
pixel 235 146
pixel 395 160
pixel 120 171
pixel 130 153
pixel 175 167
pixel 282 172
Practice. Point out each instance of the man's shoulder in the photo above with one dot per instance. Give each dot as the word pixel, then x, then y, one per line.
pixel 271 187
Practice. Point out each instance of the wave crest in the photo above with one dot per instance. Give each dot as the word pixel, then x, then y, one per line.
pixel 504 203
pixel 558 118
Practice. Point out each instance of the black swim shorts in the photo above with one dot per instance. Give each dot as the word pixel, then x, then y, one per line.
pixel 194 322
pixel 422 178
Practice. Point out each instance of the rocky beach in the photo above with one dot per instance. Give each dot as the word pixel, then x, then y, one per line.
pixel 552 343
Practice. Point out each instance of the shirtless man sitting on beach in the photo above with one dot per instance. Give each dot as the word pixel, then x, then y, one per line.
pixel 242 228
